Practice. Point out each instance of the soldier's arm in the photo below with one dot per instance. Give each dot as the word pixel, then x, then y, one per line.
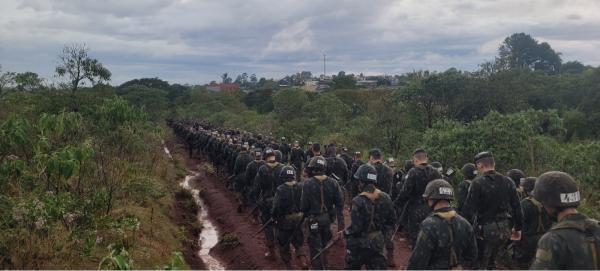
pixel 304 200
pixel 547 256
pixel 391 214
pixel 275 211
pixel 470 252
pixel 409 184
pixel 356 219
pixel 421 254
pixel 471 203
pixel 517 213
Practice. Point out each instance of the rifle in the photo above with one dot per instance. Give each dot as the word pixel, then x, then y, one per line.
pixel 399 221
pixel 255 206
pixel 262 228
pixel 331 243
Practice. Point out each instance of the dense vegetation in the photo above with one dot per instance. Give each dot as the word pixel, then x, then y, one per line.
pixel 82 168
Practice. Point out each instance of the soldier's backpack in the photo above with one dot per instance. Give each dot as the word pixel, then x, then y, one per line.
pixel 591 228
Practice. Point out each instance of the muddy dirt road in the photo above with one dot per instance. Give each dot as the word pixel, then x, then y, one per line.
pixel 249 253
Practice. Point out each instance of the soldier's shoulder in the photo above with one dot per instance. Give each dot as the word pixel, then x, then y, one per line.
pixel 431 223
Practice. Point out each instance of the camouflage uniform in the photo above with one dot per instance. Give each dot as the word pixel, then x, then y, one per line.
pixel 384 183
pixel 446 241
pixel 416 209
pixel 372 211
pixel 251 170
pixel 296 159
pixel 353 187
pixel 573 243
pixel 493 199
pixel 320 199
pixel 286 212
pixel 535 223
pixel 239 171
pixel 266 182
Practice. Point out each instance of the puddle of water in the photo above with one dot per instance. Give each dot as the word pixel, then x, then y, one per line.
pixel 166 149
pixel 209 237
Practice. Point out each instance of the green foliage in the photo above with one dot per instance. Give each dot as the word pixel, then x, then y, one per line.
pixel 118 259
pixel 28 81
pixel 176 262
pixel 229 241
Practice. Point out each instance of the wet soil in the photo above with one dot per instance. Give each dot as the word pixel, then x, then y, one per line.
pixel 249 253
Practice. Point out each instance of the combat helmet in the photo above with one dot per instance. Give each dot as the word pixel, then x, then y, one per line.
pixel 439 189
pixel 557 189
pixel 287 173
pixel 366 173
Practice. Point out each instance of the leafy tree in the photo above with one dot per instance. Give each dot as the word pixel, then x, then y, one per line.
pixel 77 66
pixel 343 81
pixel 6 79
pixel 147 82
pixel 521 51
pixel 261 99
pixel 28 81
pixel 225 78
pixel 572 67
pixel 288 103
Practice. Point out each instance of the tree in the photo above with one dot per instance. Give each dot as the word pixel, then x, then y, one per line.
pixel 28 81
pixel 147 82
pixel 75 64
pixel 6 79
pixel 572 67
pixel 343 81
pixel 521 51
pixel 225 78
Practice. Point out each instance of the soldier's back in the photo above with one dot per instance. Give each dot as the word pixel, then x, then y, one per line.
pixel 573 243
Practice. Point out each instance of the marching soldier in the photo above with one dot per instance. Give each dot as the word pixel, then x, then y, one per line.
pixel 285 151
pixel 384 183
pixel 353 187
pixel 446 239
pixel 266 182
pixel 251 170
pixel 416 180
pixel 286 212
pixel 469 172
pixel 372 211
pixel 492 203
pixel 535 223
pixel 297 159
pixel 239 171
pixel 516 175
pixel 574 241
pixel 321 199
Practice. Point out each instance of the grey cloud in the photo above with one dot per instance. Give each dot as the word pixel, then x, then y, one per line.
pixel 194 41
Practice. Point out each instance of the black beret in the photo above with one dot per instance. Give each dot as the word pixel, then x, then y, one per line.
pixel 375 152
pixel 482 155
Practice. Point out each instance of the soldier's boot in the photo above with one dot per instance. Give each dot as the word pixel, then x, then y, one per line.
pixel 390 258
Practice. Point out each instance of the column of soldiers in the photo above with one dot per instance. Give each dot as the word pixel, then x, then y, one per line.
pixel 298 194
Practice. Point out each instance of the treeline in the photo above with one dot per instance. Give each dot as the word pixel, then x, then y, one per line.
pixel 81 166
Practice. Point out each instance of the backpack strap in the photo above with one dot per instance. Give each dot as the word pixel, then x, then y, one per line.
pixel 591 227
pixel 448 219
pixel 540 208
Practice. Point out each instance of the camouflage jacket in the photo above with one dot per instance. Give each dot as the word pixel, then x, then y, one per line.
pixel 384 177
pixel 446 241
pixel 371 212
pixel 572 243
pixel 320 195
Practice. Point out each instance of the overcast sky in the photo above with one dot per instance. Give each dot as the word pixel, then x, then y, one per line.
pixel 194 41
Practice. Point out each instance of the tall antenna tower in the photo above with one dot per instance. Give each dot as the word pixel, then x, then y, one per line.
pixel 324 66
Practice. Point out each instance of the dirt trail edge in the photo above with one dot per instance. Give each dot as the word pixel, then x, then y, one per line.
pixel 249 253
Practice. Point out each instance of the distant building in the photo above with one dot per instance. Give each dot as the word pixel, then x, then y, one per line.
pixel 228 88
pixel 367 83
